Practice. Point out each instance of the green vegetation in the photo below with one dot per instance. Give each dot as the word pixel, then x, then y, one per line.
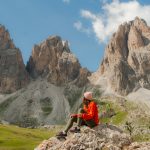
pixel 119 117
pixel 16 138
pixel 111 112
pixel 46 106
pixel 125 114
pixel 141 137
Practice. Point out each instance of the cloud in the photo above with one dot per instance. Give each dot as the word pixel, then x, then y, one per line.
pixel 78 25
pixel 106 22
pixel 66 1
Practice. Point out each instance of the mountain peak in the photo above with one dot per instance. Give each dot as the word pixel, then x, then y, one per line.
pixel 53 60
pixel 125 65
pixel 5 41
pixel 13 75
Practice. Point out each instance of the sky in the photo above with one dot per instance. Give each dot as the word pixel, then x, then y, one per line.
pixel 86 24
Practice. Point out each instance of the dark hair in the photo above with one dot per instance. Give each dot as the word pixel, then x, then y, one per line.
pixel 86 99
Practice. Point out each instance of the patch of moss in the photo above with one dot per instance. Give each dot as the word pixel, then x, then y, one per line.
pixel 119 117
pixel 105 120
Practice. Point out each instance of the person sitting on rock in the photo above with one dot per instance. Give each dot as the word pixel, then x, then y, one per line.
pixel 88 115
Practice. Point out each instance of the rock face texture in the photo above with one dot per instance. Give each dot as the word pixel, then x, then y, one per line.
pixel 126 63
pixel 13 75
pixel 101 137
pixel 53 59
pixel 59 82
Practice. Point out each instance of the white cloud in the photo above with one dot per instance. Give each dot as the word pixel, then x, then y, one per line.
pixel 104 24
pixel 66 1
pixel 78 25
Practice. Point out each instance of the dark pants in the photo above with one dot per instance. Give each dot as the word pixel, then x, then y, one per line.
pixel 80 122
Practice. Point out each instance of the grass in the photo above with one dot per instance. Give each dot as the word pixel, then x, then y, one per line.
pixel 118 118
pixel 141 137
pixel 16 138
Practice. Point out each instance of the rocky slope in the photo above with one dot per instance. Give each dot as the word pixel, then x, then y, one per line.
pixel 104 137
pixel 53 60
pixel 125 66
pixel 39 103
pixel 13 75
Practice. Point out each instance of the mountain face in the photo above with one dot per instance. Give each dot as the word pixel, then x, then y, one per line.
pixel 53 60
pixel 57 82
pixel 126 65
pixel 13 75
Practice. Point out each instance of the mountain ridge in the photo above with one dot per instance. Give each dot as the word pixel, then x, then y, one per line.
pixel 125 63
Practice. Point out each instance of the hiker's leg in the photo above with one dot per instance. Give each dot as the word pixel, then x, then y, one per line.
pixel 70 123
pixel 90 123
pixel 80 120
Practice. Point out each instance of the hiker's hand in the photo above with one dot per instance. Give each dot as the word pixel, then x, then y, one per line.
pixel 80 115
pixel 73 115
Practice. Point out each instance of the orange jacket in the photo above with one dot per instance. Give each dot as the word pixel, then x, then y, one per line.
pixel 91 112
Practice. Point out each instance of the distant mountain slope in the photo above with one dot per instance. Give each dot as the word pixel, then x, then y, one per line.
pixel 57 82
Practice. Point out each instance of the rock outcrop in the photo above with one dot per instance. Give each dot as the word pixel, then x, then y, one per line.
pixel 53 60
pixel 13 75
pixel 104 137
pixel 126 62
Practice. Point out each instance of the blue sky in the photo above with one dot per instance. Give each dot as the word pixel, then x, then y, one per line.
pixel 84 23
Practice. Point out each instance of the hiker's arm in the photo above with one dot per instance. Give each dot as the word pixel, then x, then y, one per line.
pixel 90 114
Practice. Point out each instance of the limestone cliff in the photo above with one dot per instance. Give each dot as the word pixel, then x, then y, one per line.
pixel 126 65
pixel 53 60
pixel 13 75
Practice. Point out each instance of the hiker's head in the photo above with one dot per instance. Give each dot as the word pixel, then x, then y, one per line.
pixel 87 97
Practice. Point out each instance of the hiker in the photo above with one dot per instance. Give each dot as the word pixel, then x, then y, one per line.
pixel 88 116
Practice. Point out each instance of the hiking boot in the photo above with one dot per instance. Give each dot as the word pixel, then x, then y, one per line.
pixel 61 134
pixel 75 130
